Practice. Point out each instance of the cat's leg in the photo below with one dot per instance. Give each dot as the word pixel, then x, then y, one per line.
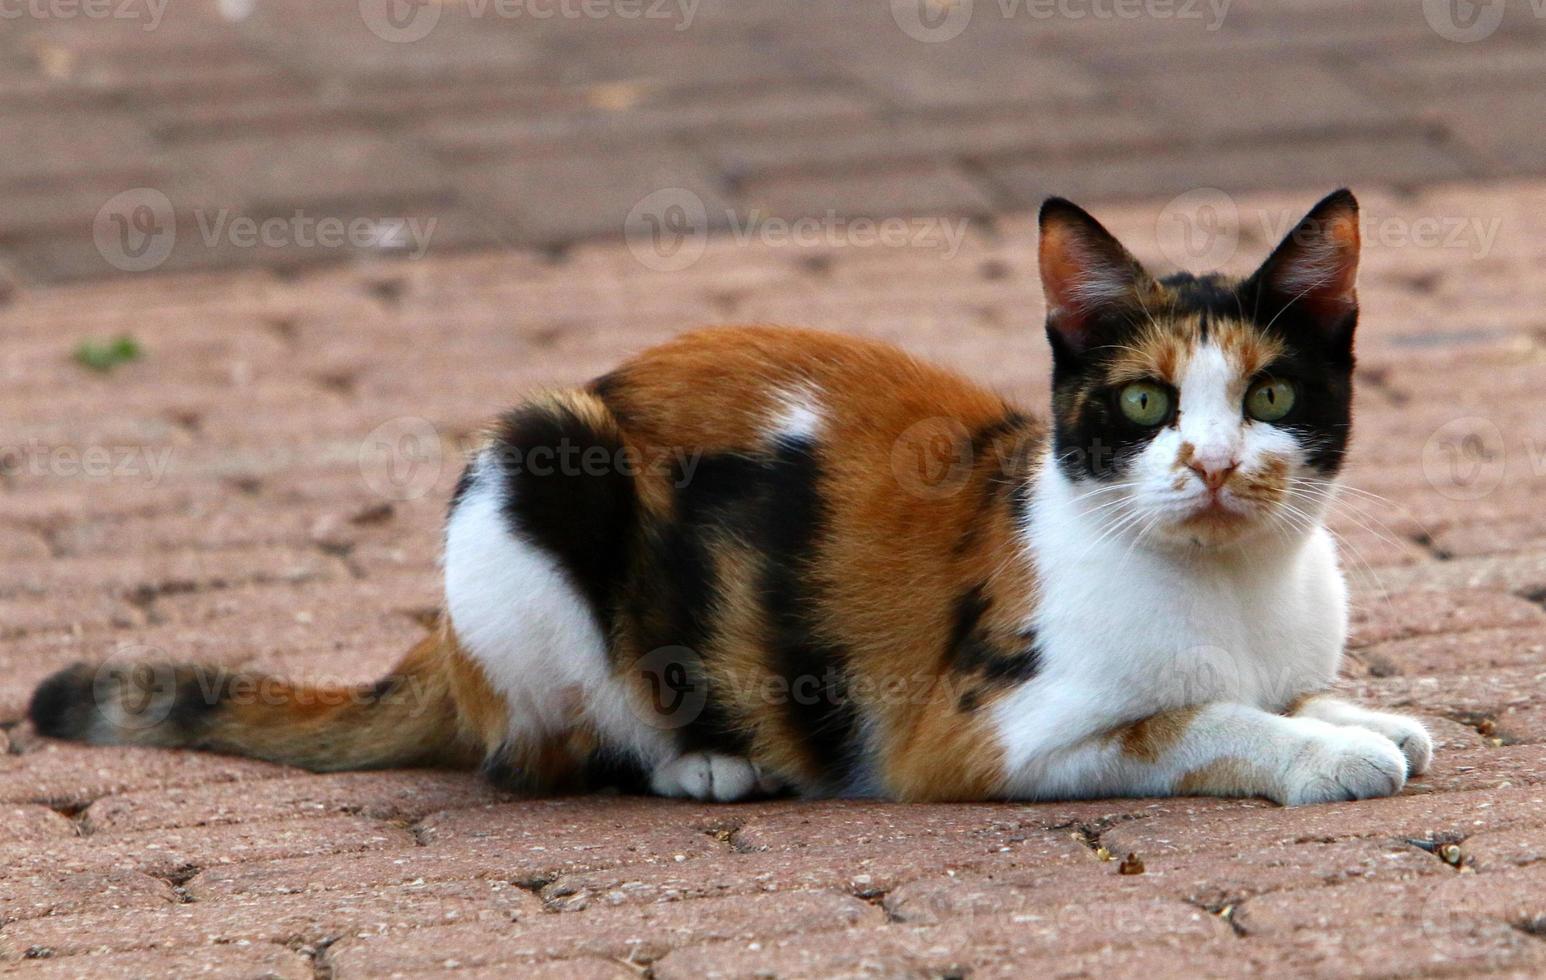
pixel 1409 735
pixel 711 776
pixel 1220 749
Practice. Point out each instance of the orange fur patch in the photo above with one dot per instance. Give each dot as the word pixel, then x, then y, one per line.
pixel 1221 777
pixel 1150 738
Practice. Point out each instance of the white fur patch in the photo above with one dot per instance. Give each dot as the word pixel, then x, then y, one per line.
pixel 516 612
pixel 798 417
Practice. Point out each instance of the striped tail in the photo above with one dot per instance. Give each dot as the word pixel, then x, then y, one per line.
pixel 409 718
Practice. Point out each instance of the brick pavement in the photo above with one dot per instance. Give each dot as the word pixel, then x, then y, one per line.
pixel 277 465
pixel 542 123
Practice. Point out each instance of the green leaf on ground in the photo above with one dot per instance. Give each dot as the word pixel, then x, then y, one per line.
pixel 104 355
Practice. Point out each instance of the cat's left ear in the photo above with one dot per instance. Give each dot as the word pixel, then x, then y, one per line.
pixel 1315 270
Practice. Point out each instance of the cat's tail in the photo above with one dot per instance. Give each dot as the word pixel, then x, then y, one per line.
pixel 409 718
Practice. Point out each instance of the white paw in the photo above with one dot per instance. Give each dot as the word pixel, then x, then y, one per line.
pixel 1409 735
pixel 709 776
pixel 1340 764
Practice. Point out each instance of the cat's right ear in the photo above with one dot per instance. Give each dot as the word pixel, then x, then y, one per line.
pixel 1084 271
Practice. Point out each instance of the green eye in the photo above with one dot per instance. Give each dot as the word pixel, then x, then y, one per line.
pixel 1145 403
pixel 1269 400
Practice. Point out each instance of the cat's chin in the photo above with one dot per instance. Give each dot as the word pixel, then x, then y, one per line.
pixel 1211 527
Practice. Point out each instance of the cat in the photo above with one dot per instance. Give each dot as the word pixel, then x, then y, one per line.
pixel 757 560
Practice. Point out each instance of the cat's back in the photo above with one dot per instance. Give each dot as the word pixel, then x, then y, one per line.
pixel 731 388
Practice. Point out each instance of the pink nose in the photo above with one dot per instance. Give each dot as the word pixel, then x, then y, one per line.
pixel 1214 476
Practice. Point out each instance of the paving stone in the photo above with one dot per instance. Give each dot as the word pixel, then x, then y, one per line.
pixel 1419 817
pixel 384 796
pixel 634 935
pixel 181 851
pixel 865 869
pixel 319 172
pixel 1408 614
pixel 49 892
pixel 279 919
pixel 25 824
pixel 953 948
pixel 72 776
pixel 1355 160
pixel 236 962
pixel 1205 880
pixel 1458 653
pixel 571 195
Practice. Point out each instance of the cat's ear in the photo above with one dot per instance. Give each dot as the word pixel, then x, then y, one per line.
pixel 1315 269
pixel 1084 271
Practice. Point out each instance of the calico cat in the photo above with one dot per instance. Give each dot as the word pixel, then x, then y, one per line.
pixel 718 571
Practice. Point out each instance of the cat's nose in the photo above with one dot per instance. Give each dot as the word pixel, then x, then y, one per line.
pixel 1214 476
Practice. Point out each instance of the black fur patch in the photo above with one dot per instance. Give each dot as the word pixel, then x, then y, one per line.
pixel 675 596
pixel 63 706
pixel 790 535
pixel 568 494
pixel 1318 359
pixel 769 505
pixel 974 650
pixel 1091 438
pixel 172 704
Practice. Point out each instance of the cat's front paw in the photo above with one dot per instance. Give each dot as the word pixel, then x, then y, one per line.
pixel 1409 736
pixel 1344 764
pixel 711 776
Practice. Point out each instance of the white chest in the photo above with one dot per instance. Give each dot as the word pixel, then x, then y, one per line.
pixel 1127 631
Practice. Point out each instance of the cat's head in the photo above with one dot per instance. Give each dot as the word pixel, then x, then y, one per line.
pixel 1202 410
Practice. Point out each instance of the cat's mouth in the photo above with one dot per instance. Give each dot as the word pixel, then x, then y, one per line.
pixel 1218 511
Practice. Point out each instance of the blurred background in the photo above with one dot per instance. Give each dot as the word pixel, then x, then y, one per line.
pixel 538 124
pixel 269 264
